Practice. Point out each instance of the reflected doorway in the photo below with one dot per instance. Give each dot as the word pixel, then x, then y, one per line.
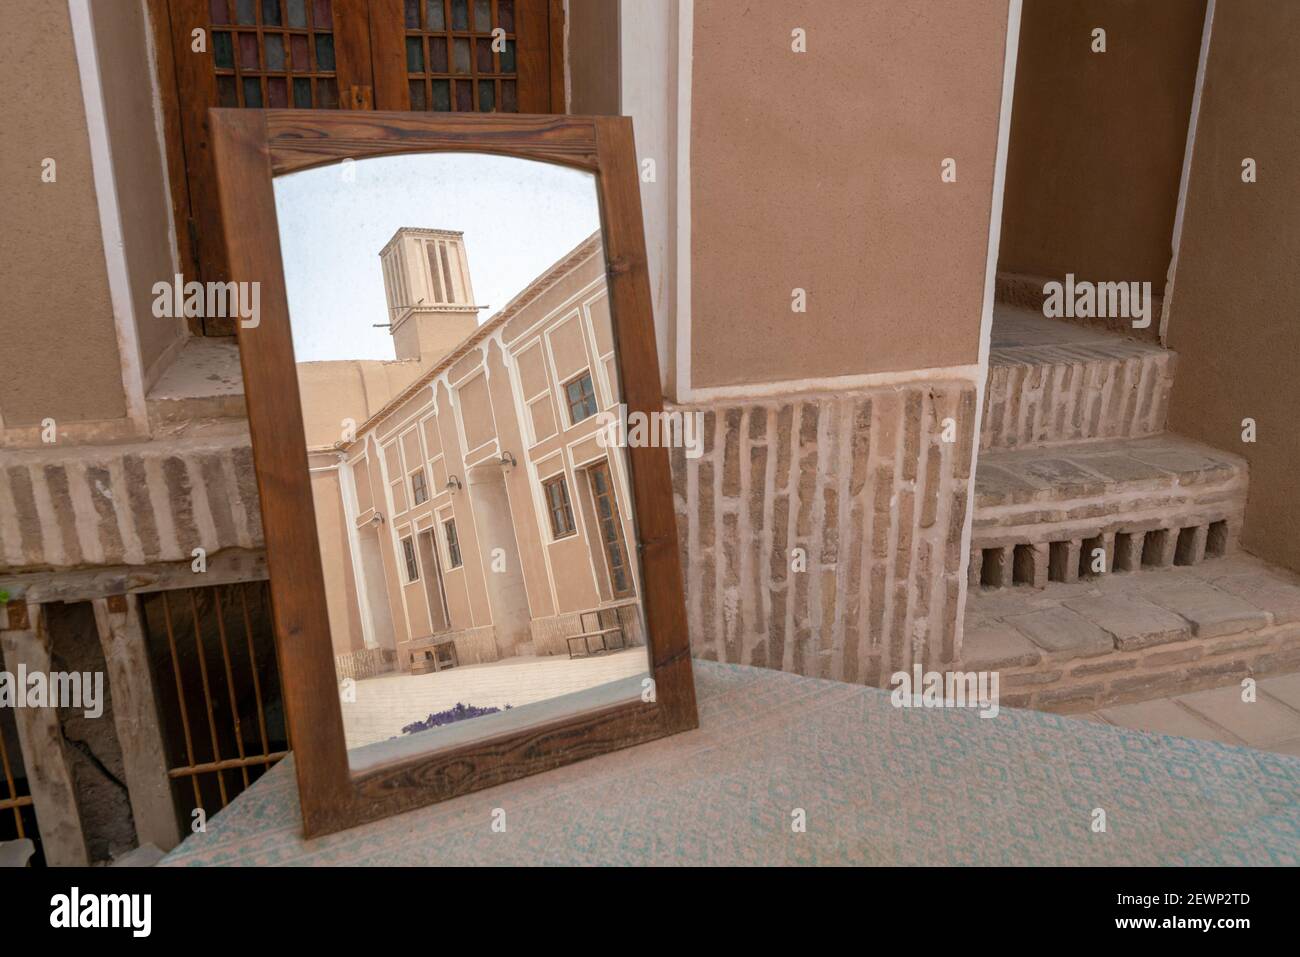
pixel 433 585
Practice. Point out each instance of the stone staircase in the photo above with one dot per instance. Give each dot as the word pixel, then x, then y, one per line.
pixel 1103 550
pixel 1076 474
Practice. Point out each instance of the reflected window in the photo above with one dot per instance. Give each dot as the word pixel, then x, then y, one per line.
pixel 581 397
pixel 453 543
pixel 412 567
pixel 557 504
pixel 611 529
pixel 419 487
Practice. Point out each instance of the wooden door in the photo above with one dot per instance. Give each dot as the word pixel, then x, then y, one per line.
pixel 456 55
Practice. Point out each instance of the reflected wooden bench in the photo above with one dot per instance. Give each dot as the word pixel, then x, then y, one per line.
pixel 433 653
pixel 603 637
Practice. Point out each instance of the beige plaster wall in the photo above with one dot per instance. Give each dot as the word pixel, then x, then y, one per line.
pixel 593 56
pixel 1097 139
pixel 1236 297
pixel 122 41
pixel 56 323
pixel 340 582
pixel 821 171
pixel 474 608
pixel 510 433
pixel 351 388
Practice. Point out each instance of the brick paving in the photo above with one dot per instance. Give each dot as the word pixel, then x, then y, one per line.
pixel 1270 723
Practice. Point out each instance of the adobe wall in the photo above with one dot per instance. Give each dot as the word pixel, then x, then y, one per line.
pixel 1233 307
pixel 821 171
pixel 822 534
pixel 1097 139
pixel 841 436
pixel 57 315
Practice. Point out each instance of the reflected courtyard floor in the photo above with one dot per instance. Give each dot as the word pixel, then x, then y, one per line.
pixel 386 703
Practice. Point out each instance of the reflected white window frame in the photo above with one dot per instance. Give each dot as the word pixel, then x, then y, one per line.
pixel 456 560
pixel 586 373
pixel 420 492
pixel 560 478
pixel 410 560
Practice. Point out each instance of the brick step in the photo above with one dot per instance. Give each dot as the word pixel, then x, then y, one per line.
pixel 1041 514
pixel 1053 382
pixel 1122 638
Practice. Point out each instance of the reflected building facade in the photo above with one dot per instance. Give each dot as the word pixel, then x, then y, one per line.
pixel 467 506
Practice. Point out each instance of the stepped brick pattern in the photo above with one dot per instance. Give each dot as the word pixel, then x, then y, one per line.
pixel 1050 383
pixel 1041 514
pixel 1089 582
pixel 1117 638
pixel 64 508
pixel 865 486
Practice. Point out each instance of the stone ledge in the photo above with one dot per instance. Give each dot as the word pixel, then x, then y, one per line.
pixel 1023 291
pixel 1125 677
pixel 204 382
pixel 1052 382
pixel 67 507
pixel 1041 514
pixel 1166 632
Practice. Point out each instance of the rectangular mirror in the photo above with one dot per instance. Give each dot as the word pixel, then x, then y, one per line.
pixel 455 361
pixel 459 540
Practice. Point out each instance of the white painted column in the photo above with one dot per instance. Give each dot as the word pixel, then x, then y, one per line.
pixel 650 73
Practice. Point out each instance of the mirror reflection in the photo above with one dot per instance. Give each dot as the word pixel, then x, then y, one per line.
pixel 456 366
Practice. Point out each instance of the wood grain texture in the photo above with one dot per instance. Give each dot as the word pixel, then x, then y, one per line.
pixel 388 55
pixel 252 146
pixel 301 139
pixel 533 43
pixel 370 69
pixel 193 75
pixel 559 101
pixel 352 64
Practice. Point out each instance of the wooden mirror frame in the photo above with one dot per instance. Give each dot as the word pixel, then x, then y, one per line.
pixel 251 147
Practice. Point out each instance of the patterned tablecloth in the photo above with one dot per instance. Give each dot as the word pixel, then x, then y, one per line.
pixel 876 785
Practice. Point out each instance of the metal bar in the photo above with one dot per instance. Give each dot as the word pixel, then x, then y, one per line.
pixel 230 677
pixel 14 800
pixel 252 664
pixel 228 764
pixel 207 695
pixel 180 694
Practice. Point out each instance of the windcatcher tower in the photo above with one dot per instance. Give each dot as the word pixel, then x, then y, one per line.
pixel 430 298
